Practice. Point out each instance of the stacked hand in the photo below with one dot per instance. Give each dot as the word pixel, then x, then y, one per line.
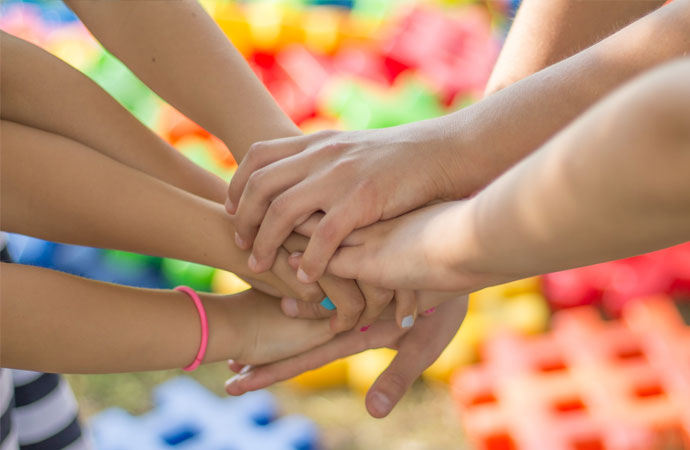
pixel 347 193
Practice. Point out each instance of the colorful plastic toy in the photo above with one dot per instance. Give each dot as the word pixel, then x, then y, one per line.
pixel 187 416
pixel 615 283
pixel 588 384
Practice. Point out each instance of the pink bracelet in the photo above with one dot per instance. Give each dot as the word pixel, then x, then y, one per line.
pixel 204 327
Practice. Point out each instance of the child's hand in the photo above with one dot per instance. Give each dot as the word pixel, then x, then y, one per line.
pixel 264 334
pixel 417 350
pixel 357 304
pixel 421 250
pixel 356 177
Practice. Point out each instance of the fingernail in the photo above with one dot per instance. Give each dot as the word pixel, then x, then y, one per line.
pixel 290 307
pixel 380 403
pixel 239 241
pixel 328 304
pixel 252 262
pixel 229 206
pixel 407 321
pixel 363 329
pixel 430 311
pixel 302 276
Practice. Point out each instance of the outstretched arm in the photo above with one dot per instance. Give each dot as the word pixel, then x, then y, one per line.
pixel 180 53
pixel 41 91
pixel 56 322
pixel 355 176
pixel 613 184
pixel 548 31
pixel 57 189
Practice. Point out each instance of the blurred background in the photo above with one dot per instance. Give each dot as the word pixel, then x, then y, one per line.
pixel 593 358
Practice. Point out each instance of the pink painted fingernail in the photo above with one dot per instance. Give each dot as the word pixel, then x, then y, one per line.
pixel 363 329
pixel 429 311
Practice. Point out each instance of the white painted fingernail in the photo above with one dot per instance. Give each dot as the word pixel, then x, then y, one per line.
pixel 239 241
pixel 290 307
pixel 253 264
pixel 407 321
pixel 302 276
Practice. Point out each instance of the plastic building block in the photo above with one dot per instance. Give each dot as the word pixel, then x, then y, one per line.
pixel 196 276
pixel 227 283
pixel 186 416
pixel 589 384
pixel 457 52
pixel 332 375
pixel 361 106
pixel 31 251
pixel 615 283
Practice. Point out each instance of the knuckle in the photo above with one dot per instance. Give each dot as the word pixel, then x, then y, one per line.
pixel 255 182
pixel 312 294
pixel 328 231
pixel 256 151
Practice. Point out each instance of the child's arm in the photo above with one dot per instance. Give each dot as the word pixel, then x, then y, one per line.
pixel 56 322
pixel 57 189
pixel 180 52
pixel 548 31
pixel 612 185
pixel 41 91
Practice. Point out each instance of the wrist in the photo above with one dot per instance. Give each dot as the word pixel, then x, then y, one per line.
pixel 455 170
pixel 468 253
pixel 224 338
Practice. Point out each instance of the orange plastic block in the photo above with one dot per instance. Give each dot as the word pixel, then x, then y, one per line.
pixel 589 384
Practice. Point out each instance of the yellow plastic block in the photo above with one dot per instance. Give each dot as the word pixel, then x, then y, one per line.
pixel 331 375
pixel 322 27
pixel 458 353
pixel 227 283
pixel 232 20
pixel 364 368
pixel 273 26
pixel 527 313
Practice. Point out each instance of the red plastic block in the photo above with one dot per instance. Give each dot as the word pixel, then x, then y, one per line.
pixel 589 384
pixel 294 77
pixel 454 51
pixel 615 283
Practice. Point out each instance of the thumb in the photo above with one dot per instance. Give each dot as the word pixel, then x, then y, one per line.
pixel 392 384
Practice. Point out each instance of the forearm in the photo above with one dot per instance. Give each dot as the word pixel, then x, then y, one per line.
pixel 39 90
pixel 612 185
pixel 547 31
pixel 56 189
pixel 504 127
pixel 60 323
pixel 178 51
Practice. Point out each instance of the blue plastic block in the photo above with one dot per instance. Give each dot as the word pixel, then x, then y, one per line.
pixel 187 416
pixel 30 251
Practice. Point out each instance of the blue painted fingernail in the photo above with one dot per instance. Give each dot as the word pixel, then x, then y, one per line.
pixel 328 304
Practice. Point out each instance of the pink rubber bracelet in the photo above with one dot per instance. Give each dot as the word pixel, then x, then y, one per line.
pixel 204 327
